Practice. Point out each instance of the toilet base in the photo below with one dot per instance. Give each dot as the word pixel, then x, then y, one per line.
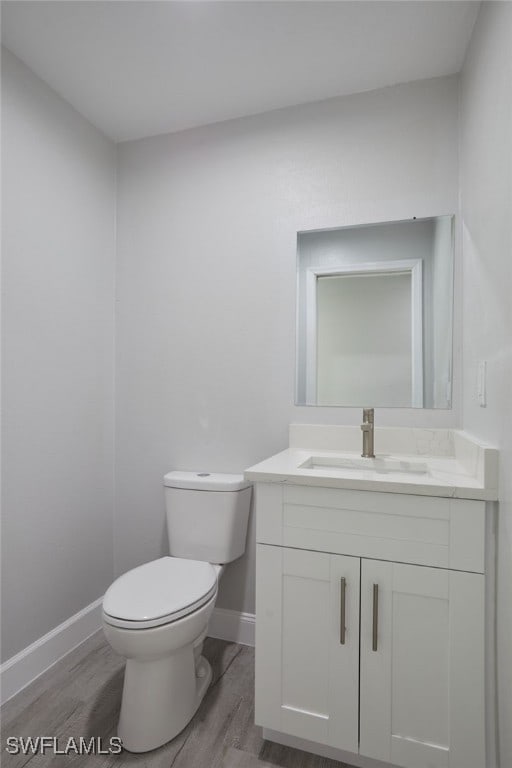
pixel 165 678
pixel 158 700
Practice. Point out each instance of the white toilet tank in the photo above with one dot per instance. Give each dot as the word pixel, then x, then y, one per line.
pixel 207 515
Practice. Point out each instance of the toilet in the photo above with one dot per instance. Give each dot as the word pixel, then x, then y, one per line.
pixel 157 615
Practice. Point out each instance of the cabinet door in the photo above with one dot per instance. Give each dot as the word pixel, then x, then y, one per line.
pixel 307 669
pixel 422 666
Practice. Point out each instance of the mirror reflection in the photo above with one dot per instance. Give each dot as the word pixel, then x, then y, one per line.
pixel 374 315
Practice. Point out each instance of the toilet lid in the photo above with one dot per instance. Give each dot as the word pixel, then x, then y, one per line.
pixel 159 592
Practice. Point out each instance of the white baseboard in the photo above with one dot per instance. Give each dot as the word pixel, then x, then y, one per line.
pixel 20 670
pixel 235 626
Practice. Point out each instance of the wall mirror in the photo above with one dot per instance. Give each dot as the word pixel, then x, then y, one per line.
pixel 375 315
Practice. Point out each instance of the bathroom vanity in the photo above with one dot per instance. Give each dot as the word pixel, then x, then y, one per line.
pixel 373 608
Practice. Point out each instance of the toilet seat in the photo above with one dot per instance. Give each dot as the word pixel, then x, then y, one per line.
pixel 159 592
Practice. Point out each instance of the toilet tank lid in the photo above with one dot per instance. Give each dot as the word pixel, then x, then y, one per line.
pixel 205 481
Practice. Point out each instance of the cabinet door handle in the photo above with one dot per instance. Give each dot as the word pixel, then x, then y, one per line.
pixel 375 616
pixel 343 585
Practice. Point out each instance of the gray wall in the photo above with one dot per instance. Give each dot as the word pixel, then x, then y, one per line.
pixel 58 209
pixel 206 275
pixel 207 224
pixel 486 191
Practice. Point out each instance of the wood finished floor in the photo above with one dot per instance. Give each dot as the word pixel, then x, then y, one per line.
pixel 80 696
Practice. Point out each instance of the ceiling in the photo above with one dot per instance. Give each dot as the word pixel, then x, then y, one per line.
pixel 139 68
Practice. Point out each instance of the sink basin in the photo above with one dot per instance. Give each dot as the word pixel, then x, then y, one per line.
pixel 359 464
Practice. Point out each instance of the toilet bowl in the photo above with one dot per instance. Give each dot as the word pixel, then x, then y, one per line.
pixel 156 615
pixel 165 676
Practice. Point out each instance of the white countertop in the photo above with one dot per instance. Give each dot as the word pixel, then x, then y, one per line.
pixel 464 468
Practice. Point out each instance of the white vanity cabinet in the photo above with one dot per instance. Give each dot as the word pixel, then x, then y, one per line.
pixel 307 677
pixel 421 672
pixel 370 623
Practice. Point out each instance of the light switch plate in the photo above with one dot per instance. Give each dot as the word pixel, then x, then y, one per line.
pixel 482 383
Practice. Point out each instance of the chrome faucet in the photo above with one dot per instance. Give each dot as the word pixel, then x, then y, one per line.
pixel 367 430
